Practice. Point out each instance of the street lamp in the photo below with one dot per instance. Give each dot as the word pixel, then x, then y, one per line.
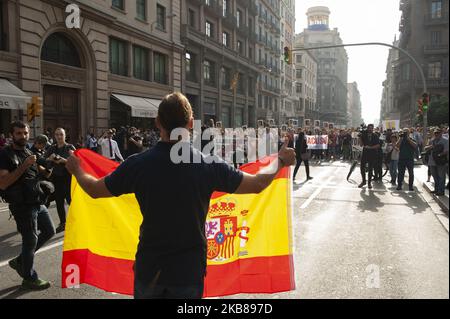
pixel 167 17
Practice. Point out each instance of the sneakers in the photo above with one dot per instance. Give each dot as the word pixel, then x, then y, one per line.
pixel 370 186
pixel 61 228
pixel 37 284
pixel 309 178
pixel 399 188
pixel 14 264
pixel 411 189
pixel 363 183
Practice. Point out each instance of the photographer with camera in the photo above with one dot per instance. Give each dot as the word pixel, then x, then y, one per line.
pixel 407 146
pixel 57 155
pixel 26 194
pixel 370 143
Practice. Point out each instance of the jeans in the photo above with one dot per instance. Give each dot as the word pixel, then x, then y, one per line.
pixel 439 176
pixel 371 163
pixel 393 168
pixel 62 193
pixel 167 292
pixel 404 164
pixel 29 220
pixel 297 166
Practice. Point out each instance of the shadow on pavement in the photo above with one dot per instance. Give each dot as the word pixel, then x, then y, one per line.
pixel 413 200
pixel 13 292
pixel 369 202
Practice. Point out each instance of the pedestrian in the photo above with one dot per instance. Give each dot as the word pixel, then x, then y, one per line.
pixel 57 155
pixel 21 188
pixel 370 143
pixel 347 145
pixel 392 154
pixel 302 154
pixel 92 142
pixel 438 161
pixel 109 147
pixel 135 145
pixel 407 147
pixel 174 266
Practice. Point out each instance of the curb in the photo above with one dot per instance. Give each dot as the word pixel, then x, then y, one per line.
pixel 443 201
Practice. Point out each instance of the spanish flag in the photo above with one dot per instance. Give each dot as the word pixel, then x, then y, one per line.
pixel 249 246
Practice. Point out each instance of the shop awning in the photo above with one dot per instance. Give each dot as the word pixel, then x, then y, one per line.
pixel 140 107
pixel 11 97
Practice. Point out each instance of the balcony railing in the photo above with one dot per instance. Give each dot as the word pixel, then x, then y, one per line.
pixel 230 21
pixel 435 49
pixel 435 19
pixel 438 83
pixel 252 9
pixel 213 6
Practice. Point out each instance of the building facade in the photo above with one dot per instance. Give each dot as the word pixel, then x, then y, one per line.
pixel 220 71
pixel 354 118
pixel 388 109
pixel 305 89
pixel 424 28
pixel 332 66
pixel 288 100
pixel 111 71
pixel 268 58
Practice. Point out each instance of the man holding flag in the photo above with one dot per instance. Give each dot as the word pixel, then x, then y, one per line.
pixel 171 261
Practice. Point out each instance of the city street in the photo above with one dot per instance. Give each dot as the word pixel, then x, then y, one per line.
pixel 348 243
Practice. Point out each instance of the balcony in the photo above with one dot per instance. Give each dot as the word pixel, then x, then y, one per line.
pixel 405 5
pixel 243 30
pixel 435 49
pixel 262 39
pixel 230 21
pixel 433 19
pixel 214 7
pixel 252 8
pixel 252 37
pixel 440 83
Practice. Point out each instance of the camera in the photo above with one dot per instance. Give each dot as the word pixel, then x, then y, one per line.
pixel 362 130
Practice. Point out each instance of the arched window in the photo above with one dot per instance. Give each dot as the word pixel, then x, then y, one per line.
pixel 59 49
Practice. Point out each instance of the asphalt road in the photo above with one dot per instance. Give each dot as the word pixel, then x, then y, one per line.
pixel 348 243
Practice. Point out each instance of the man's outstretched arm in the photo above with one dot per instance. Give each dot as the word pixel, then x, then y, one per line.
pixel 254 184
pixel 94 187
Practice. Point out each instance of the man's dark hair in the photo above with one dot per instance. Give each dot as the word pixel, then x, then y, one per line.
pixel 17 124
pixel 174 111
pixel 373 126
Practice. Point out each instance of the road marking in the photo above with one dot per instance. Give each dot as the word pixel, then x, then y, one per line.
pixel 316 192
pixel 54 245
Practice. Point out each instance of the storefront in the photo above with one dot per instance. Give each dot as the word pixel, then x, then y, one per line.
pixel 133 111
pixel 13 104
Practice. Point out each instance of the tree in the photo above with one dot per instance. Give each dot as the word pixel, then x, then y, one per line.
pixel 438 111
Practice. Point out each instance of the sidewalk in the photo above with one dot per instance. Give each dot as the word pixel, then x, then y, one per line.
pixel 420 172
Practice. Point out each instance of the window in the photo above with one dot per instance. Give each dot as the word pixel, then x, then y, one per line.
pixel 225 7
pixel 299 88
pixel 209 73
pixel 118 57
pixel 226 115
pixel 141 9
pixel 59 49
pixel 239 18
pixel 404 72
pixel 436 37
pixel 434 70
pixel 161 17
pixel 251 87
pixel 160 68
pixel 436 9
pixel 225 39
pixel 209 29
pixel 241 84
pixel 192 18
pixel 226 78
pixel 299 58
pixel 240 48
pixel 119 4
pixel 190 67
pixel 140 70
pixel 299 74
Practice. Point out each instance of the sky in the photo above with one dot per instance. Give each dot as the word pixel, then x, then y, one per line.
pixel 361 21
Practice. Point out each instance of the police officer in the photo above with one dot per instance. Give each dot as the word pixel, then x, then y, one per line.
pixel 21 188
pixel 370 143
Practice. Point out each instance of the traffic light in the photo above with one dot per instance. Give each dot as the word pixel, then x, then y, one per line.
pixel 425 101
pixel 420 103
pixel 30 112
pixel 37 102
pixel 287 55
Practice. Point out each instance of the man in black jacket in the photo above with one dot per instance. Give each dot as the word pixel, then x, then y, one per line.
pixel 302 154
